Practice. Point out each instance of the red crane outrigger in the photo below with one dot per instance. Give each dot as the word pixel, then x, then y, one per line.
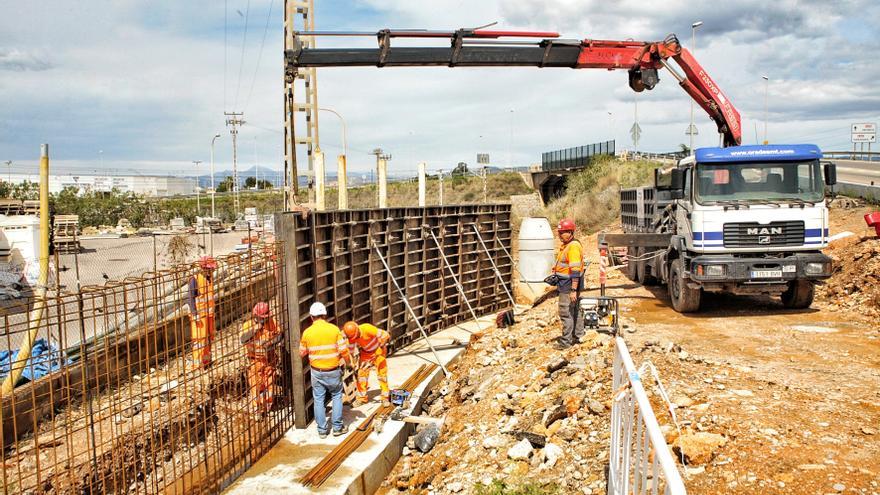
pixel 484 48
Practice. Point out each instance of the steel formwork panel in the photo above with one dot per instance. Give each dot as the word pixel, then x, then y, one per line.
pixel 336 264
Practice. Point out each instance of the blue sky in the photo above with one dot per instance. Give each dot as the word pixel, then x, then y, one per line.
pixel 140 85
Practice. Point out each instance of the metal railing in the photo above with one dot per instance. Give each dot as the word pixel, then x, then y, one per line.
pixel 639 459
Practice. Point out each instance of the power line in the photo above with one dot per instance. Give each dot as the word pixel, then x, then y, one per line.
pixel 247 12
pixel 259 57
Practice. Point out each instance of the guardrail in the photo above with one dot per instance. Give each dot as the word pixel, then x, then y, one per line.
pixel 639 459
pixel 868 156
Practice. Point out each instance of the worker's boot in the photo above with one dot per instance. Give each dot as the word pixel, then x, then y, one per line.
pixel 360 401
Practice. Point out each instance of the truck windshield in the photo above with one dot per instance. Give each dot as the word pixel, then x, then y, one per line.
pixel 755 182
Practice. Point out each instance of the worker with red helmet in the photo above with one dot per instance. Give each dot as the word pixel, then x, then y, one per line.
pixel 372 345
pixel 262 339
pixel 569 271
pixel 201 312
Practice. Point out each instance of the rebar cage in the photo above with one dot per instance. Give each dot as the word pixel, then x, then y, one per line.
pixel 114 403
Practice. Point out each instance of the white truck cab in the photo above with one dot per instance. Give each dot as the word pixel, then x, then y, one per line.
pixel 744 220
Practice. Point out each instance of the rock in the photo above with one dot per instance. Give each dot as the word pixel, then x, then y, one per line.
pixel 682 401
pixel 567 433
pixel 466 392
pixel 867 430
pixel 557 364
pixel 683 355
pixel 595 406
pixel 629 328
pixel 537 441
pixel 669 433
pixel 494 442
pixel 572 403
pixel 698 448
pixel 511 389
pixel 552 453
pixel 455 486
pixel 426 438
pixel 743 393
pixel 553 428
pixel 838 487
pixel 521 451
pixel 406 451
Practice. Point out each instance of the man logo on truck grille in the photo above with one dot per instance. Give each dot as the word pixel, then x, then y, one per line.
pixel 764 239
pixel 763 231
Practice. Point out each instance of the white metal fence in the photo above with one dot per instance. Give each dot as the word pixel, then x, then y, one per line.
pixel 639 461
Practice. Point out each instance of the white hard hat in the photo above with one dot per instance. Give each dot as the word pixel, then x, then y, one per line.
pixel 318 309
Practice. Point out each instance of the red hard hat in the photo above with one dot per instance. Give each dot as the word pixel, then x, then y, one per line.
pixel 207 262
pixel 566 225
pixel 261 310
pixel 351 330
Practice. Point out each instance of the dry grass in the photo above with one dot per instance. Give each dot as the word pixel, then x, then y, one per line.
pixel 593 198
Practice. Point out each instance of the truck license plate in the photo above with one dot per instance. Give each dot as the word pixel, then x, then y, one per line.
pixel 767 274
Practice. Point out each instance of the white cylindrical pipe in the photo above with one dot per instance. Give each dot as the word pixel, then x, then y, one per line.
pixel 422 182
pixel 382 165
pixel 342 179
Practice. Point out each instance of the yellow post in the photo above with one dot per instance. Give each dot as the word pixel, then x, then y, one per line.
pixel 36 315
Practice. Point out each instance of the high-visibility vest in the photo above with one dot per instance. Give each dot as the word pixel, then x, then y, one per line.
pixel 325 345
pixel 204 295
pixel 262 335
pixel 570 261
pixel 370 339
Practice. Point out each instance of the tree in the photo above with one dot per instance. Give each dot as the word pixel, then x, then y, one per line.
pixel 225 185
pixel 251 183
pixel 460 170
pixel 685 149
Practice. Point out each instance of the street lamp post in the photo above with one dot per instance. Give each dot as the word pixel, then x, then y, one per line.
pixel 766 86
pixel 334 112
pixel 198 196
pixel 692 129
pixel 213 190
pixel 341 165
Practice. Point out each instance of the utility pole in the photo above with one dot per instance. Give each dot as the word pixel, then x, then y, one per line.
pixel 234 119
pixel 440 175
pixel 692 129
pixel 484 173
pixel 198 197
pixel 382 174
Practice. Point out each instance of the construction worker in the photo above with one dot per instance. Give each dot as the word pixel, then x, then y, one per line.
pixel 568 268
pixel 372 345
pixel 262 339
pixel 326 348
pixel 201 313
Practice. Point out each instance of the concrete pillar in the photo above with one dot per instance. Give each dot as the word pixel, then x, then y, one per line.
pixel 382 164
pixel 342 179
pixel 422 182
pixel 320 179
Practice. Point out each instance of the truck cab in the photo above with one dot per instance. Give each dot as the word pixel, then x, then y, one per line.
pixel 743 220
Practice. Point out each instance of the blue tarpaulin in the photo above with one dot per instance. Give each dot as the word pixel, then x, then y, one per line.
pixel 45 358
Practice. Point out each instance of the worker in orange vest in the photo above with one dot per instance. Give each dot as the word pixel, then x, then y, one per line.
pixel 372 345
pixel 262 339
pixel 569 271
pixel 325 345
pixel 201 313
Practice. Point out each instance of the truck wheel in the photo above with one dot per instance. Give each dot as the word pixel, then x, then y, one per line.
pixel 799 295
pixel 645 276
pixel 684 299
pixel 632 266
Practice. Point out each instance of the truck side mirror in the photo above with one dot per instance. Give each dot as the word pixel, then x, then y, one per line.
pixel 677 179
pixel 830 173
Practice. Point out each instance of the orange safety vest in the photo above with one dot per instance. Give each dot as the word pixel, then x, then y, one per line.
pixel 204 298
pixel 255 346
pixel 325 345
pixel 570 261
pixel 370 339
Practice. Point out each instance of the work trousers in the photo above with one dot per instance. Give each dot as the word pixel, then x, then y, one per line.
pixel 569 314
pixel 261 378
pixel 367 362
pixel 202 335
pixel 324 383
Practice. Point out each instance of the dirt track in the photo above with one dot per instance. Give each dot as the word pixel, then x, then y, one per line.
pixel 796 393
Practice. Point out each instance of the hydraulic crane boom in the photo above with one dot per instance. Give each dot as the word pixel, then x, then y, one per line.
pixel 484 48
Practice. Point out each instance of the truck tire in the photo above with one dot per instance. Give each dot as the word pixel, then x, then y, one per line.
pixel 684 299
pixel 645 275
pixel 799 295
pixel 632 266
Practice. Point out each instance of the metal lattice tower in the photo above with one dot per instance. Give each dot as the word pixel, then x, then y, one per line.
pixel 234 119
pixel 298 16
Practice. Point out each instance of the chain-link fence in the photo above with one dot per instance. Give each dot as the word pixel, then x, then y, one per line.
pixel 160 383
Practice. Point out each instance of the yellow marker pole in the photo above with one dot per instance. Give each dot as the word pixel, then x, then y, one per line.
pixel 36 315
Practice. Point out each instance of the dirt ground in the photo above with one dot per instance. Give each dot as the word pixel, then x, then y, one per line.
pixel 795 394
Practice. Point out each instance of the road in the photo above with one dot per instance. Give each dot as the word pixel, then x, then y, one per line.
pixel 858 172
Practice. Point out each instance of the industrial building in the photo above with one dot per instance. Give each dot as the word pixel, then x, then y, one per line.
pixel 146 185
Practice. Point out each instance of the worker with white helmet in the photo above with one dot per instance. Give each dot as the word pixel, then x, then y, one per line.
pixel 326 347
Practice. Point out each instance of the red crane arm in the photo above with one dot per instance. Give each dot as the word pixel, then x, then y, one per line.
pixel 483 48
